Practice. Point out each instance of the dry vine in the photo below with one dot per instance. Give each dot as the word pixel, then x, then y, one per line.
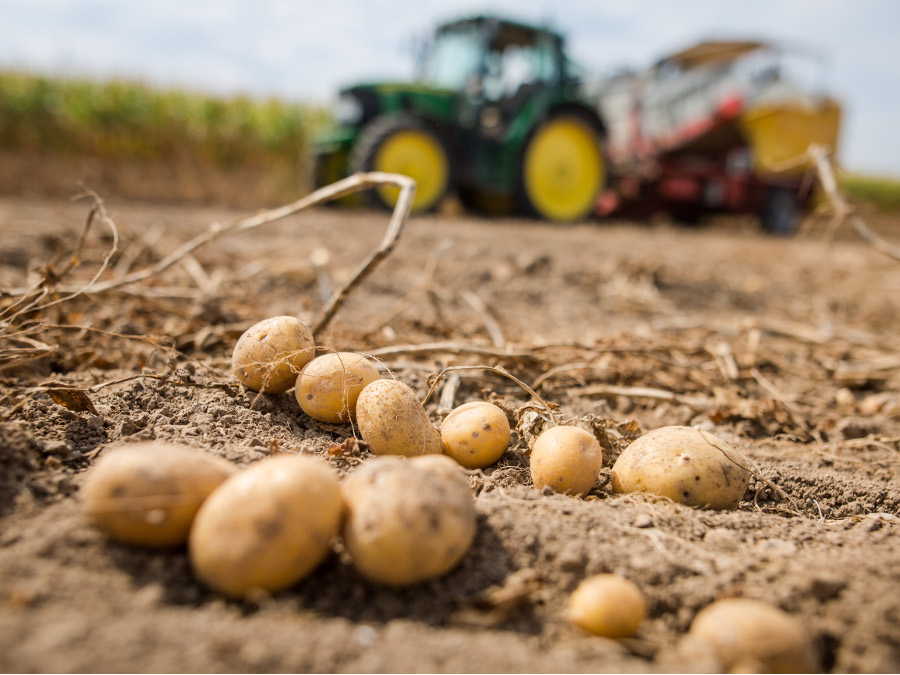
pixel 20 328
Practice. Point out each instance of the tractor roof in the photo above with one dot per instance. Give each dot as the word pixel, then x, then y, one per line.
pixel 506 32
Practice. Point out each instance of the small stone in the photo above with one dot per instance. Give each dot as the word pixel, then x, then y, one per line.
pixel 57 447
pixel 874 403
pixel 844 397
pixel 643 520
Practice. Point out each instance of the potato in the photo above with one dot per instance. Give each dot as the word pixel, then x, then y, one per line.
pixel 607 605
pixel 442 465
pixel 568 459
pixel 475 434
pixel 685 464
pixel 392 421
pixel 268 356
pixel 148 493
pixel 266 527
pixel 328 386
pixel 749 636
pixel 408 520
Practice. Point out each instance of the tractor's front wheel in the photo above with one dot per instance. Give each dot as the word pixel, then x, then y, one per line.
pixel 563 169
pixel 406 146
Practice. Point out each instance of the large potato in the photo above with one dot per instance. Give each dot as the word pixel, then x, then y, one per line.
pixel 392 421
pixel 268 356
pixel 266 527
pixel 148 493
pixel 408 520
pixel 685 464
pixel 607 605
pixel 328 386
pixel 475 434
pixel 567 459
pixel 749 636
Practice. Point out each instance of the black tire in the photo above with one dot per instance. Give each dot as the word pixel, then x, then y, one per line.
pixel 781 212
pixel 363 158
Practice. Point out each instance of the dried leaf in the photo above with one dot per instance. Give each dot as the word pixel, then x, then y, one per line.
pixel 76 400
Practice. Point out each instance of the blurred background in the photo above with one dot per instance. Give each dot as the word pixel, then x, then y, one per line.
pixel 295 55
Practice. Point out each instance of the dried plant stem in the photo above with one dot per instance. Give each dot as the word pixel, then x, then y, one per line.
pixel 490 323
pixel 449 348
pixel 401 213
pixel 842 211
pixel 31 298
pixel 695 404
pixel 434 381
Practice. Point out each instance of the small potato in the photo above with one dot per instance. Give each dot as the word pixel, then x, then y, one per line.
pixel 568 459
pixel 268 356
pixel 607 605
pixel 475 434
pixel 408 520
pixel 392 421
pixel 267 527
pixel 740 635
pixel 148 493
pixel 685 464
pixel 328 386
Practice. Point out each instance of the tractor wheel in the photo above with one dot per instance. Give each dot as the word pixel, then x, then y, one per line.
pixel 563 169
pixel 781 212
pixel 405 146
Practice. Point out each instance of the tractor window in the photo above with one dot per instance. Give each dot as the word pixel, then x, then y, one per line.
pixel 518 65
pixel 455 57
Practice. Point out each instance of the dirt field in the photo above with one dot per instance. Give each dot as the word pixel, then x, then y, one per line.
pixel 786 348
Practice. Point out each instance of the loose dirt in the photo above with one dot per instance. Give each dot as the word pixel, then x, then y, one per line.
pixel 787 348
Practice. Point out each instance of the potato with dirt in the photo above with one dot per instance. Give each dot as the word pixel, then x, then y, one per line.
pixel 740 635
pixel 328 387
pixel 408 520
pixel 266 527
pixel 270 354
pixel 688 465
pixel 567 459
pixel 608 605
pixel 475 434
pixel 392 421
pixel 148 493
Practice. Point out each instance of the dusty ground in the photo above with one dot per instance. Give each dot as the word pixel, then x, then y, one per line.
pixel 787 348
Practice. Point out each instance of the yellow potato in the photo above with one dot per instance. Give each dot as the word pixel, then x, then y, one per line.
pixel 749 636
pixel 568 459
pixel 392 421
pixel 408 520
pixel 266 527
pixel 148 493
pixel 685 464
pixel 442 465
pixel 607 605
pixel 328 386
pixel 475 434
pixel 268 356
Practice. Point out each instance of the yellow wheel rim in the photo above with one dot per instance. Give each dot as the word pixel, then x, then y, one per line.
pixel 419 155
pixel 564 169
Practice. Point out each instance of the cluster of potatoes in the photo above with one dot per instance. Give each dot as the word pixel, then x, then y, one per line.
pixel 408 515
pixel 266 527
pixel 688 465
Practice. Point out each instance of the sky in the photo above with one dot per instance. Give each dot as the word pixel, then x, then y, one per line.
pixel 304 50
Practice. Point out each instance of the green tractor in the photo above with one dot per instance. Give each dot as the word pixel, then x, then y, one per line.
pixel 498 116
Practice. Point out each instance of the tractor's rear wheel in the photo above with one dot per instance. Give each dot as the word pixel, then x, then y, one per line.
pixel 781 212
pixel 404 145
pixel 563 169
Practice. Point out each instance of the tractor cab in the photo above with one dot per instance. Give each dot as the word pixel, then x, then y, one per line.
pixel 468 122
